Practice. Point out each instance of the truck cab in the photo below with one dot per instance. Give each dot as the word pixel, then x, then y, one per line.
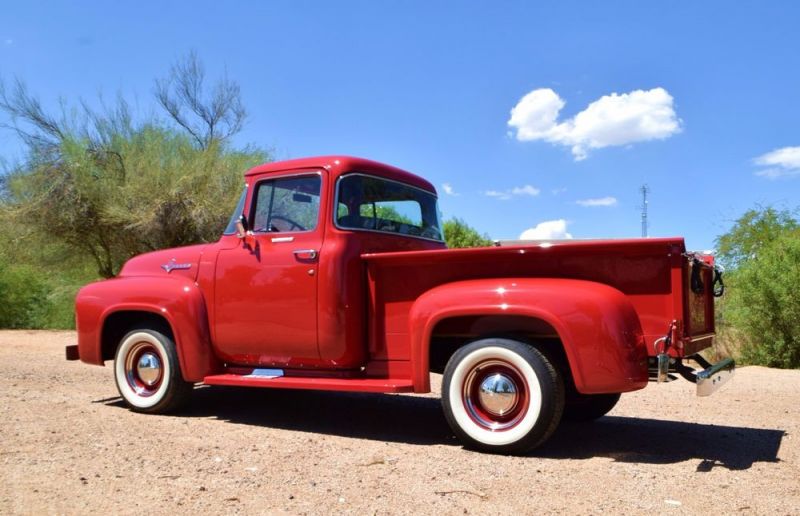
pixel 333 274
pixel 290 292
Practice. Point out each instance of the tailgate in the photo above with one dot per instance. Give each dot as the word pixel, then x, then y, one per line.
pixel 702 283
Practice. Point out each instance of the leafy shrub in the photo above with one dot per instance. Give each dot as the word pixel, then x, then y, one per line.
pixel 764 305
pixel 458 233
pixel 24 299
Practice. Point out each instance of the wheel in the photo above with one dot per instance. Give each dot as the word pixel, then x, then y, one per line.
pixel 148 374
pixel 502 396
pixel 587 407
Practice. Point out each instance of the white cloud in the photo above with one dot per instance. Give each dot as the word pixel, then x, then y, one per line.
pixel 448 189
pixel 558 191
pixel 611 120
pixel 601 201
pixel 517 191
pixel 498 195
pixel 525 190
pixel 777 173
pixel 548 230
pixel 783 162
pixel 535 115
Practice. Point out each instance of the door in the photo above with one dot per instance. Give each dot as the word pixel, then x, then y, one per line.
pixel 266 291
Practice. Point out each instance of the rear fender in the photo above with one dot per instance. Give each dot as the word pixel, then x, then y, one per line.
pixel 597 325
pixel 175 298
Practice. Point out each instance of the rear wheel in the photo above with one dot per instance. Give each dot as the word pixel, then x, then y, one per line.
pixel 148 374
pixel 587 407
pixel 502 396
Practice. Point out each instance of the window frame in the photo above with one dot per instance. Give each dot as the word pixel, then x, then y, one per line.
pixel 254 201
pixel 335 209
pixel 237 212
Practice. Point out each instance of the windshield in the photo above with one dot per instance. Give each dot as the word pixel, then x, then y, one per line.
pixel 371 203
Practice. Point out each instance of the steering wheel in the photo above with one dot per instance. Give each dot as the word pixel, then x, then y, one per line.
pixel 292 224
pixel 431 232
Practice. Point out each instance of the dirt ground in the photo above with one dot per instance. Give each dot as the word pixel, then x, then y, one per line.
pixel 67 445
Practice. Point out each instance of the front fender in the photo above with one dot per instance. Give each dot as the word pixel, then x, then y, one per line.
pixel 175 298
pixel 597 325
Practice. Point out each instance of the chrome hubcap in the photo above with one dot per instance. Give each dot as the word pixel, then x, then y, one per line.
pixel 144 369
pixel 497 394
pixel 148 369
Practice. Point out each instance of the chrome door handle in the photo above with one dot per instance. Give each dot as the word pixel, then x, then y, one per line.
pixel 305 254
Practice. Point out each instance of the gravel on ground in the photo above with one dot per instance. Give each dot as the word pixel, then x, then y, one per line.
pixel 69 446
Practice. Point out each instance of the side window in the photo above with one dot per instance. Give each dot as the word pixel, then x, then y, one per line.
pixel 287 204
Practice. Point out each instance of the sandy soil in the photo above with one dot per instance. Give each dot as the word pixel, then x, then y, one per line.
pixel 67 445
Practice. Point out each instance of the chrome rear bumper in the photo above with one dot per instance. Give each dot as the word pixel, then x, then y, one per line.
pixel 714 376
pixel 709 378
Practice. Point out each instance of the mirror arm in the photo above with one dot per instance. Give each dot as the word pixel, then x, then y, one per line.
pixel 243 231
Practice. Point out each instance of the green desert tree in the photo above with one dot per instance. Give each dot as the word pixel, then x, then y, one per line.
pixel 109 186
pixel 761 305
pixel 458 233
pixel 755 229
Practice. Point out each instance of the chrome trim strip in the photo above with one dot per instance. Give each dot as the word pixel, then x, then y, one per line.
pixel 264 373
pixel 278 240
pixel 389 233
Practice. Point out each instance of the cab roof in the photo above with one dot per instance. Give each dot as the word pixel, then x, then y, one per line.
pixel 339 165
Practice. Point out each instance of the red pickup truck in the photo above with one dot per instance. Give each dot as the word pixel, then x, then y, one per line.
pixel 333 274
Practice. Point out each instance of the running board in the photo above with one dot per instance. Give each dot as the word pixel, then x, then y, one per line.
pixel 274 378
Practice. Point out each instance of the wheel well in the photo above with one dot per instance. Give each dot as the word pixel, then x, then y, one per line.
pixel 450 334
pixel 118 324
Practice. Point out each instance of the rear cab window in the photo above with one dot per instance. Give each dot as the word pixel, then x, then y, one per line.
pixel 370 203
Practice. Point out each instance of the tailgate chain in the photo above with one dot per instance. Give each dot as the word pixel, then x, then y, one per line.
pixel 696 281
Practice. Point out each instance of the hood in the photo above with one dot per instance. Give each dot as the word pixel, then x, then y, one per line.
pixel 184 261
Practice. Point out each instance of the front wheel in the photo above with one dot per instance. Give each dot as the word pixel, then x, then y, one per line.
pixel 502 396
pixel 148 374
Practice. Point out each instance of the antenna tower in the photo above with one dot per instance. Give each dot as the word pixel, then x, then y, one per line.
pixel 645 190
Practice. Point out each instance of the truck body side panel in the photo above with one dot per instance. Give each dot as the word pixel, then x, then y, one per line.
pixel 649 272
pixel 596 324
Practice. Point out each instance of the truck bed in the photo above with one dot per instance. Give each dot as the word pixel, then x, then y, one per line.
pixel 652 273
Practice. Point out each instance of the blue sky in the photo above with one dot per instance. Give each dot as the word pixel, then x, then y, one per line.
pixel 685 97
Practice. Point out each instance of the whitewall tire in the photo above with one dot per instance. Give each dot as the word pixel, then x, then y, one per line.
pixel 502 396
pixel 147 372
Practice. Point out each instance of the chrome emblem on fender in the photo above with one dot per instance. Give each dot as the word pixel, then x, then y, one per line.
pixel 172 265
